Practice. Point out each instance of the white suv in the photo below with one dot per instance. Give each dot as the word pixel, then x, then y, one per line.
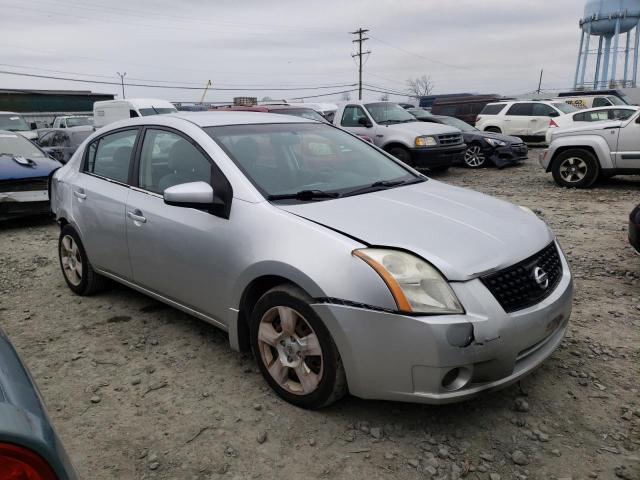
pixel 528 119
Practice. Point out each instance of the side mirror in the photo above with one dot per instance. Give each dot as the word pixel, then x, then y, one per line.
pixel 365 122
pixel 34 126
pixel 189 195
pixel 554 114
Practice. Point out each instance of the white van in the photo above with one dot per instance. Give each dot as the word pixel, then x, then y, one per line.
pixel 111 111
pixel 591 101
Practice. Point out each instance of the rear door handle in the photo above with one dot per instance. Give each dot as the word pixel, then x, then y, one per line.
pixel 137 216
pixel 79 194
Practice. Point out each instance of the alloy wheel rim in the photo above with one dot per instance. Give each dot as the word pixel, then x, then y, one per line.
pixel 473 156
pixel 71 260
pixel 573 169
pixel 290 350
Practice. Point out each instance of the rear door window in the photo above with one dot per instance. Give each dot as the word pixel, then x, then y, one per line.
pixel 601 102
pixel 110 156
pixel 494 109
pixel 521 109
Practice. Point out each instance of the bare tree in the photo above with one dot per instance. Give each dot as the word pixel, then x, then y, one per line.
pixel 384 97
pixel 419 87
pixel 346 96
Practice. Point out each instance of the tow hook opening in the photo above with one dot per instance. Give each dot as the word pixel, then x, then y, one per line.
pixel 460 335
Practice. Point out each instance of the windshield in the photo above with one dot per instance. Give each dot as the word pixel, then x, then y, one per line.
pixel 79 121
pixel 459 124
pixel 565 107
pixel 17 145
pixel 13 123
pixel 387 112
pixel 615 100
pixel 300 112
pixel 419 113
pixel 284 159
pixel 145 112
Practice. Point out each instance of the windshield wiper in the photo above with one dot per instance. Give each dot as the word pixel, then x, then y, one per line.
pixel 304 195
pixel 381 185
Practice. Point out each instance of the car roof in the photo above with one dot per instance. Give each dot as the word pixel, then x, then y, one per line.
pixel 235 117
pixel 609 107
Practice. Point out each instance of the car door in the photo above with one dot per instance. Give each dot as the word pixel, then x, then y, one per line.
pixel 99 196
pixel 539 121
pixel 628 154
pixel 352 115
pixel 517 119
pixel 179 253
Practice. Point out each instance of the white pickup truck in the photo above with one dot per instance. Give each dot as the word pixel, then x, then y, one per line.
pixel 577 156
pixel 392 128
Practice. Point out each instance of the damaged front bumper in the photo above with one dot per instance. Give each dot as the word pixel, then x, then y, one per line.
pixel 23 203
pixel 391 356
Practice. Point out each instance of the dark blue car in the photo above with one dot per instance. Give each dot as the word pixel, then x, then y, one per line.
pixel 29 446
pixel 24 176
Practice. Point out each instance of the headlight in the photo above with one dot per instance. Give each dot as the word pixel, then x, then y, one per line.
pixel 416 285
pixel 495 143
pixel 426 141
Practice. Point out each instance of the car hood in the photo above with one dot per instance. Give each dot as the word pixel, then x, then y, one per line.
pixel 423 128
pixel 496 136
pixel 461 232
pixel 10 169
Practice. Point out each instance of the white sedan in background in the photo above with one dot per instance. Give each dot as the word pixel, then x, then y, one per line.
pixel 601 114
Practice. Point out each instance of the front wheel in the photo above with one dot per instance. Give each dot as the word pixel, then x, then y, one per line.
pixel 575 169
pixel 294 350
pixel 474 157
pixel 401 154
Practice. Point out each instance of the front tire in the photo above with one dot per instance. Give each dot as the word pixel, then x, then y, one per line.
pixel 75 265
pixel 575 168
pixel 401 154
pixel 294 350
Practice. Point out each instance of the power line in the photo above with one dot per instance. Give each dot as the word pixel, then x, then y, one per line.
pixel 360 40
pixel 325 94
pixel 174 87
pixel 408 52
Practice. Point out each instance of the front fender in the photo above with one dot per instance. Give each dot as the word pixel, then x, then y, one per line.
pixel 595 143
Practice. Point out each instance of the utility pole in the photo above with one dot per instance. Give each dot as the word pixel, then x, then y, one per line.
pixel 360 40
pixel 122 75
pixel 540 82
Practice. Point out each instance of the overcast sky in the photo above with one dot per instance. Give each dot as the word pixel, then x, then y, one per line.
pixel 485 46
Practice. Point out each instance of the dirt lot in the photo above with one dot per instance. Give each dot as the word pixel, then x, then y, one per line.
pixel 139 390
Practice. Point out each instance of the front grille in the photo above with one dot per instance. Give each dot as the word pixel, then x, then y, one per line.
pixel 24 185
pixel 450 139
pixel 516 288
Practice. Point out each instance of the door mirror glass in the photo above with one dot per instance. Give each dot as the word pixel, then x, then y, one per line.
pixel 554 114
pixel 192 194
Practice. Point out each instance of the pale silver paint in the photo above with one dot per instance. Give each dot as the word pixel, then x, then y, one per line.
pixel 202 263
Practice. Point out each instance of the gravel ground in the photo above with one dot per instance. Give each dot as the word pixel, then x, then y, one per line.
pixel 140 390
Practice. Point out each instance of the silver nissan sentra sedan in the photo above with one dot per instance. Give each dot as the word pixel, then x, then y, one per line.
pixel 341 268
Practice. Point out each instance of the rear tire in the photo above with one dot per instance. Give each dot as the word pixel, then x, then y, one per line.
pixel 294 350
pixel 575 168
pixel 80 276
pixel 401 154
pixel 439 169
pixel 493 130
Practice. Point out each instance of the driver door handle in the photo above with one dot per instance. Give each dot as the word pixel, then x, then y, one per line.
pixel 79 194
pixel 137 216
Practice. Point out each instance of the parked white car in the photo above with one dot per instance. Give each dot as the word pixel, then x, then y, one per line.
pixel 111 111
pixel 590 115
pixel 528 120
pixel 14 122
pixel 69 121
pixel 591 101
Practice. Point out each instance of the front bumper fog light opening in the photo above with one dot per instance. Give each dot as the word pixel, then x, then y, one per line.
pixel 456 379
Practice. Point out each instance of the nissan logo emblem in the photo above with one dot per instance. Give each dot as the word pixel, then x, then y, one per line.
pixel 541 278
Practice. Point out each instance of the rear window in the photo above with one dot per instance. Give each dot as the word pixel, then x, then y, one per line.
pixel 493 109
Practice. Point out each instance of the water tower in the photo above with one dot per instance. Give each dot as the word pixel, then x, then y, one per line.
pixel 608 21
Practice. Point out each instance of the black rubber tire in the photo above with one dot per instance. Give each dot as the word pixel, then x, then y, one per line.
pixel 401 154
pixel 593 168
pixel 91 281
pixel 333 384
pixel 440 169
pixel 493 129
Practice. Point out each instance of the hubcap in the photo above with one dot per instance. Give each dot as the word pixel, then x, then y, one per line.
pixel 71 260
pixel 290 350
pixel 573 169
pixel 473 156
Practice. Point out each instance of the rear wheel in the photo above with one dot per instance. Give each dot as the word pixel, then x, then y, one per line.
pixel 575 169
pixel 294 350
pixel 493 129
pixel 439 169
pixel 474 157
pixel 75 265
pixel 401 154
